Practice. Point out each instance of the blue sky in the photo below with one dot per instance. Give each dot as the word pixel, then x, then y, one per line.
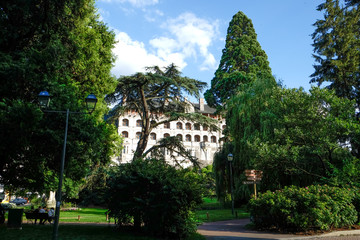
pixel 191 33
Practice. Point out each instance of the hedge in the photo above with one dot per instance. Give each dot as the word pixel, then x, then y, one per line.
pixel 311 208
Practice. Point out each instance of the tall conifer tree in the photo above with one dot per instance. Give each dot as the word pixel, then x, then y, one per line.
pixel 242 65
pixel 242 60
pixel 336 48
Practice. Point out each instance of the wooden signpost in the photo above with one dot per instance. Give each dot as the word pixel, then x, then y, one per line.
pixel 254 177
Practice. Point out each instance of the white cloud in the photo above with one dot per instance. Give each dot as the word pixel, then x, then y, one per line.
pixel 152 15
pixel 186 37
pixel 192 37
pixel 135 3
pixel 132 57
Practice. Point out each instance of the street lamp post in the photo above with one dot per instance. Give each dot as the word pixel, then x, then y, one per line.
pixel 230 158
pixel 44 101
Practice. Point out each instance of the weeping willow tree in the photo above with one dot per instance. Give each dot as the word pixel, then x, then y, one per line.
pixel 250 119
pixel 221 173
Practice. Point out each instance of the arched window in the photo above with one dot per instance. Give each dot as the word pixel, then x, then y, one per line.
pixel 138 135
pixel 152 136
pixel 205 128
pixel 179 136
pixel 138 123
pixel 125 122
pixel 223 127
pixel 213 139
pixel 197 138
pixel 188 126
pixel 179 125
pixel 167 125
pixel 125 134
pixel 166 135
pixel 205 138
pixel 197 126
pixel 188 138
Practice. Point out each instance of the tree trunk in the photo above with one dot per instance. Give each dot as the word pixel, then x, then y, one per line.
pixel 145 131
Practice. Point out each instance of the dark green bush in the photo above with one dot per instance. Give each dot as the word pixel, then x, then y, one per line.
pixel 313 207
pixel 154 197
pixel 356 201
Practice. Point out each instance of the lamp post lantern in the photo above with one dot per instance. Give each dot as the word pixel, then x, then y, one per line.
pixel 91 101
pixel 44 101
pixel 230 158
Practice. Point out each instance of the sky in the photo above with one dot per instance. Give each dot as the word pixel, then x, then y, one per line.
pixel 192 33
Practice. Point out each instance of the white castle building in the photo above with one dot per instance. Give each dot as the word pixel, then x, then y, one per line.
pixel 198 139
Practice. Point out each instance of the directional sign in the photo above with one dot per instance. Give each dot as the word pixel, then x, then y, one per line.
pixel 254 178
pixel 250 172
pixel 251 182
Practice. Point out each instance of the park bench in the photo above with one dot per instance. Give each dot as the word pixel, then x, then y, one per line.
pixel 32 216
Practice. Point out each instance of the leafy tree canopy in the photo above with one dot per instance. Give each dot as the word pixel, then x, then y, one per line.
pixel 158 97
pixel 294 137
pixel 62 47
pixel 310 140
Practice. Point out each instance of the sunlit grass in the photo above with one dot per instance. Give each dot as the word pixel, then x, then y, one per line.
pixel 213 215
pixel 211 211
pixel 93 215
pixel 68 232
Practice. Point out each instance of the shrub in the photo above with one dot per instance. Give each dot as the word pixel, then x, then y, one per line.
pixel 313 207
pixel 156 196
pixel 356 201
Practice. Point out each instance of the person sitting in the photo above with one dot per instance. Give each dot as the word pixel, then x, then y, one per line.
pixel 51 214
pixel 42 219
pixel 36 213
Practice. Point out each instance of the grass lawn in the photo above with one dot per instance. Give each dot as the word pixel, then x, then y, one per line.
pixel 210 211
pixel 220 214
pixel 211 203
pixel 94 215
pixel 73 232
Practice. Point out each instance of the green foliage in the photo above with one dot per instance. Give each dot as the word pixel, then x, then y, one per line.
pixel 294 137
pixel 242 61
pixel 356 201
pixel 154 194
pixel 336 47
pixel 249 118
pixel 313 207
pixel 93 192
pixel 157 96
pixel 309 141
pixel 59 46
pixel 210 203
pixel 208 181
pixel 221 172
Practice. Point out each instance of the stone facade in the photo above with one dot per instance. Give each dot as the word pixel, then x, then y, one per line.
pixel 200 141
